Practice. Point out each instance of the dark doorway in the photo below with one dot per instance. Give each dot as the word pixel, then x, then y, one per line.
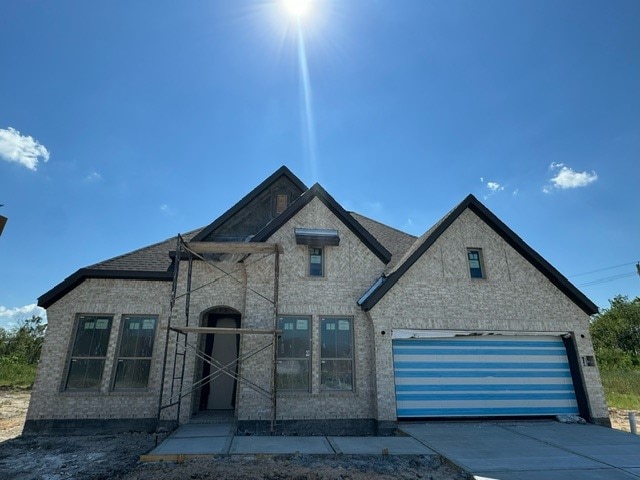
pixel 220 392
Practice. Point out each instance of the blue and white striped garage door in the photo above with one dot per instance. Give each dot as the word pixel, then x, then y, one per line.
pixel 482 376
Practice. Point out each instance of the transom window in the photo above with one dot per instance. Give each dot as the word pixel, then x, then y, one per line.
pixel 89 352
pixel 336 365
pixel 294 353
pixel 476 267
pixel 136 349
pixel 316 261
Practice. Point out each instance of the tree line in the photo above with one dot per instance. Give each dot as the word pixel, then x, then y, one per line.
pixel 616 334
pixel 22 344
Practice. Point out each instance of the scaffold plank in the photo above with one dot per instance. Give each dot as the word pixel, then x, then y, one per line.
pixel 236 331
pixel 233 247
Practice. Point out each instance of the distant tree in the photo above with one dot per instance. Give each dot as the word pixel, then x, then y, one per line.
pixel 23 343
pixel 616 333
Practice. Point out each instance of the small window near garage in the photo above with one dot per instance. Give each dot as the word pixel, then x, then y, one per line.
pixel 316 261
pixel 336 351
pixel 294 353
pixel 136 349
pixel 476 264
pixel 282 202
pixel 89 352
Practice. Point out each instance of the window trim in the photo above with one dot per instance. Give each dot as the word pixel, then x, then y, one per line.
pixel 71 357
pixel 323 262
pixel 117 357
pixel 483 271
pixel 308 359
pixel 352 358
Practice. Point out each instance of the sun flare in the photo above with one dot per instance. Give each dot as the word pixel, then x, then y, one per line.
pixel 296 9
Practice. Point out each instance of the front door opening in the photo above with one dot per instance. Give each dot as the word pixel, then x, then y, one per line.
pixel 220 392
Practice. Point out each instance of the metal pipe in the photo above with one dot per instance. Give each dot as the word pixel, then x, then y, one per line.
pixel 632 423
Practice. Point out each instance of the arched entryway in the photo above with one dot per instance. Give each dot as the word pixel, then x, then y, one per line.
pixel 220 392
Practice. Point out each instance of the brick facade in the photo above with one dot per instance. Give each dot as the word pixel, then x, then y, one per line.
pixel 435 293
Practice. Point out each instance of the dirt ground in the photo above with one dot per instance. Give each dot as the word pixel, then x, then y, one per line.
pixel 116 457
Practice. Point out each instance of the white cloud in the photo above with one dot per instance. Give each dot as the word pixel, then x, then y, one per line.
pixel 93 177
pixel 494 186
pixel 516 192
pixel 21 149
pixel 568 178
pixel 167 210
pixel 10 317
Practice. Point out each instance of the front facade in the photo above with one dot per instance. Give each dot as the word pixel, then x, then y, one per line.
pixel 370 326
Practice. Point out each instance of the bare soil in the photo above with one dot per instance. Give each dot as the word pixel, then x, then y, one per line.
pixel 116 457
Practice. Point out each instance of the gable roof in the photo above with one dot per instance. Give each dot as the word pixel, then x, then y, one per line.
pixel 148 263
pixel 154 261
pixel 316 191
pixel 248 198
pixel 422 244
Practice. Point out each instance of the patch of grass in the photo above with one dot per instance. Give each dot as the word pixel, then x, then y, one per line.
pixel 622 388
pixel 16 375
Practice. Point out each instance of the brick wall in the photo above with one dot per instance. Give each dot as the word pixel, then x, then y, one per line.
pixel 97 296
pixel 437 293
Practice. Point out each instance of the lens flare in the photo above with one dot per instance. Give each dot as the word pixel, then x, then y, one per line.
pixel 296 9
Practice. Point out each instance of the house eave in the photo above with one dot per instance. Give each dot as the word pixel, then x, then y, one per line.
pixel 72 281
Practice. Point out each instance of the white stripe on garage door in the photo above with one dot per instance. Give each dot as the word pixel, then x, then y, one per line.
pixel 482 376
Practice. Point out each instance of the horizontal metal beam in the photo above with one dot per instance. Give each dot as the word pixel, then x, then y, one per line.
pixel 233 247
pixel 236 331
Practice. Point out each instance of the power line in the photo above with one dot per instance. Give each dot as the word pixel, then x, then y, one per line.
pixel 602 269
pixel 608 279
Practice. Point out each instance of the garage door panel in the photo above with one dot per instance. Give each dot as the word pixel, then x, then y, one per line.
pixel 494 376
pixel 524 386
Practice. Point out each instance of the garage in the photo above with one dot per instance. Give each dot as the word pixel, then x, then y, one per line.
pixel 482 376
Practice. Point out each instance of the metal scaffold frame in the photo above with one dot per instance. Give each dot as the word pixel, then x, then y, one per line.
pixel 178 388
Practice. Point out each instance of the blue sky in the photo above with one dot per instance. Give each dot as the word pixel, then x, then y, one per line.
pixel 124 123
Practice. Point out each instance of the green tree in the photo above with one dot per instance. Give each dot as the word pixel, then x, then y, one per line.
pixel 23 343
pixel 616 333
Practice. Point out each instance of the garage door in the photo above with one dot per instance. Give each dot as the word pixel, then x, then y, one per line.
pixel 477 376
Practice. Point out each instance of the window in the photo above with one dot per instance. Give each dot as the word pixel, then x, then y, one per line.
pixel 293 353
pixel 89 352
pixel 336 365
pixel 316 261
pixel 136 348
pixel 476 269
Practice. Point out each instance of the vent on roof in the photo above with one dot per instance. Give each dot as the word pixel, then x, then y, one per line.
pixel 282 202
pixel 318 237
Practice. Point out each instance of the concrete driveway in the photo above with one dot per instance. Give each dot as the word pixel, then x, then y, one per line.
pixel 533 450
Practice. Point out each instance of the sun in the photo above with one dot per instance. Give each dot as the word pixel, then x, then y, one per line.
pixel 296 9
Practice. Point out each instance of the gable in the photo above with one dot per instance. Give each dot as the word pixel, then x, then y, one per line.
pixel 316 191
pixel 255 210
pixel 426 241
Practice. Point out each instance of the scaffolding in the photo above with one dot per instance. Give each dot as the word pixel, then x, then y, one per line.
pixel 178 387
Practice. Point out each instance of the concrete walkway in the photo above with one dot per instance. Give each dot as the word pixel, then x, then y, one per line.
pixel 218 439
pixel 534 450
